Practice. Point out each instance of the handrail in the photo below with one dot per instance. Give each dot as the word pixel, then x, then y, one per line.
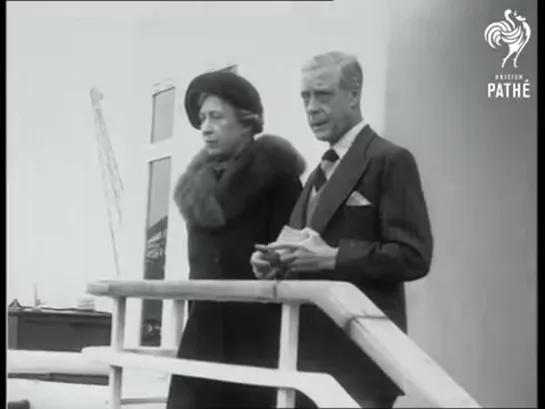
pixel 322 388
pixel 35 364
pixel 46 362
pixel 398 356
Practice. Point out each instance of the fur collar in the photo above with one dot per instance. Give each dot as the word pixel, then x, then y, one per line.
pixel 207 202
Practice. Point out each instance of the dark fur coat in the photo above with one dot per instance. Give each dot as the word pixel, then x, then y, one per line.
pixel 206 201
pixel 228 208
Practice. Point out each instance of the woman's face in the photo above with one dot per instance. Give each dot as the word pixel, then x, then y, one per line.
pixel 222 132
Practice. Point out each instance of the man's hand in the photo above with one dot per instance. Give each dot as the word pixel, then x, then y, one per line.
pixel 310 255
pixel 264 265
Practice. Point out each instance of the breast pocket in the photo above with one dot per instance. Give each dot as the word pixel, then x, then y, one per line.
pixel 360 218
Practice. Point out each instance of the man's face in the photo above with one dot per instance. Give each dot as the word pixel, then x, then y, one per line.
pixel 328 107
pixel 221 131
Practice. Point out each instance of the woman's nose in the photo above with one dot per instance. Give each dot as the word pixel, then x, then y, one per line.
pixel 206 127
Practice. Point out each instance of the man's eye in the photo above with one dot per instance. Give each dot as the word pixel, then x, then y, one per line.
pixel 323 95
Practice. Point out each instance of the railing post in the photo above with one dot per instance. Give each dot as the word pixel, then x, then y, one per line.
pixel 118 339
pixel 289 340
pixel 178 310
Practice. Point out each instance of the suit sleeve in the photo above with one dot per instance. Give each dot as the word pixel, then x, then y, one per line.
pixel 405 250
pixel 284 199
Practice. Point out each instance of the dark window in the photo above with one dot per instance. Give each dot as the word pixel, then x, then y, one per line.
pixel 156 240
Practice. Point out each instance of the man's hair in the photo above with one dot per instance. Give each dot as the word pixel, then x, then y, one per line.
pixel 350 71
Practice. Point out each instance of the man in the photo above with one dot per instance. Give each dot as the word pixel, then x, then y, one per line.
pixel 364 212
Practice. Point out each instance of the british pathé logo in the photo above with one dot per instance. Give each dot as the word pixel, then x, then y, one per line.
pixel 512 33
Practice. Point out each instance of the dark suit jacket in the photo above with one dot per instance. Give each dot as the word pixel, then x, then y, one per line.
pixel 381 246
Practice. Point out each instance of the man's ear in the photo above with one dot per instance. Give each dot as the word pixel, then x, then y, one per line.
pixel 355 98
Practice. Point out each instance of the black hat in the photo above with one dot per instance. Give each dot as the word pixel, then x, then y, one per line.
pixel 231 87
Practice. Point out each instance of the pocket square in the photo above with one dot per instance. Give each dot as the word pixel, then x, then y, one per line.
pixel 357 199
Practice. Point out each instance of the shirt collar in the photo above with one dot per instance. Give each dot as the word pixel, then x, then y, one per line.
pixel 343 144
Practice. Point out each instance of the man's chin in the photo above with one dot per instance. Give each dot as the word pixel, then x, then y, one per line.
pixel 322 136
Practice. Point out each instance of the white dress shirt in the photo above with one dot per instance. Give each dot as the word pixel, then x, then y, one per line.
pixel 341 147
pixel 343 144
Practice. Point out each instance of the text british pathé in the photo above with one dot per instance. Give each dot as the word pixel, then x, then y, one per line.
pixel 509 86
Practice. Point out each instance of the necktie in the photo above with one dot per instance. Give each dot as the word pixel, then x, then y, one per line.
pixel 328 158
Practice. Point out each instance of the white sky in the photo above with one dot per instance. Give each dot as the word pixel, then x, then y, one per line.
pixel 57 231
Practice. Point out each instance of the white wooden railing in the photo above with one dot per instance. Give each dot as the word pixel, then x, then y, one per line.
pixel 398 356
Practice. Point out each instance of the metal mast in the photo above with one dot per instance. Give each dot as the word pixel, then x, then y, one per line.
pixel 111 179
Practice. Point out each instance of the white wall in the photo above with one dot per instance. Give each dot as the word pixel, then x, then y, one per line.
pixel 476 313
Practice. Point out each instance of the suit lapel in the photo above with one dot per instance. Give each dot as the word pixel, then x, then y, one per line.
pixel 298 214
pixel 342 181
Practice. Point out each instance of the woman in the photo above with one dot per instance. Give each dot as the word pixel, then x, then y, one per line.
pixel 238 191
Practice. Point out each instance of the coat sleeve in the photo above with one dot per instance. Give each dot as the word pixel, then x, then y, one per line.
pixel 284 198
pixel 404 252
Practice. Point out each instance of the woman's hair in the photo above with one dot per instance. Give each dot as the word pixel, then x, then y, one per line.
pixel 245 117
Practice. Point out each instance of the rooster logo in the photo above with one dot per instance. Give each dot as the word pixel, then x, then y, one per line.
pixel 513 33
